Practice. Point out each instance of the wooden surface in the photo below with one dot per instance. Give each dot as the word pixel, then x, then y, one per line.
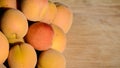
pixel 94 38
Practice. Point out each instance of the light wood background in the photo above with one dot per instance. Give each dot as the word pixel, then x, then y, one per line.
pixel 94 38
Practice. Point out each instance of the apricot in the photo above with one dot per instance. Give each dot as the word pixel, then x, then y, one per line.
pixel 59 39
pixel 14 25
pixel 8 3
pixel 22 55
pixel 2 66
pixel 63 17
pixel 34 10
pixel 50 14
pixel 40 36
pixel 4 48
pixel 51 59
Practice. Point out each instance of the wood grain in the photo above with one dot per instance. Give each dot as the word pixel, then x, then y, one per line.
pixel 94 38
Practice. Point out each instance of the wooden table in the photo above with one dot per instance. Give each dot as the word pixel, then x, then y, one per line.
pixel 94 38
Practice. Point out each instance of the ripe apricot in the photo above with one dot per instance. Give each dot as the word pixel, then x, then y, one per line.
pixel 40 36
pixel 22 55
pixel 51 59
pixel 14 25
pixel 63 17
pixel 4 48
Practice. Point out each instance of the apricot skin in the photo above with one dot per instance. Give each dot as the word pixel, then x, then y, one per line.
pixel 2 66
pixel 8 3
pixel 4 48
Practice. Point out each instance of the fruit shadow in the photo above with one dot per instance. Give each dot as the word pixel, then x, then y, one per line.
pixel 19 4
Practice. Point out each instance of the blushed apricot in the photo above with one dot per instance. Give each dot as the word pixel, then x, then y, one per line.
pixel 40 36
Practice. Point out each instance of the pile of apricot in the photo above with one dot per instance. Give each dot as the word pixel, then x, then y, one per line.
pixel 33 33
